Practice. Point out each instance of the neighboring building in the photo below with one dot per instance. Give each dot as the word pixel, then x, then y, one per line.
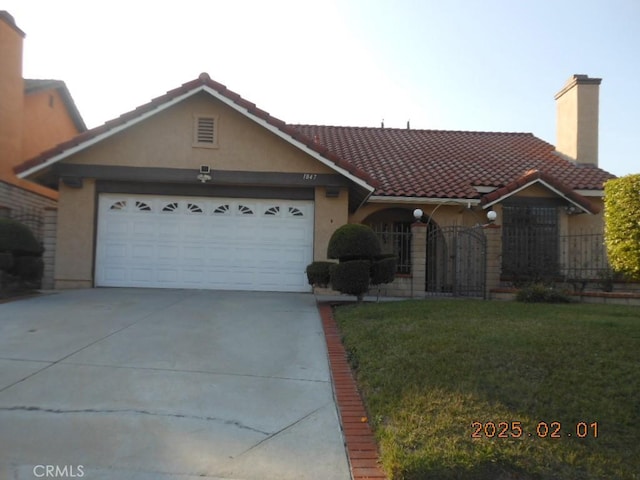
pixel 34 115
pixel 201 189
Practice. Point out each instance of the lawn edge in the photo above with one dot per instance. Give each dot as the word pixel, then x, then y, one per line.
pixel 360 443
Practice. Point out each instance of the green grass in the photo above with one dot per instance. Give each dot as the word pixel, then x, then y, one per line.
pixel 429 369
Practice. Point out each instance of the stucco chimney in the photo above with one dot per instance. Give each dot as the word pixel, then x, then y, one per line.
pixel 11 92
pixel 577 119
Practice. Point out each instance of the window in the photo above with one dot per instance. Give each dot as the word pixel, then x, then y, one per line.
pixel 193 208
pixel 272 211
pixel 244 210
pixel 205 131
pixel 170 207
pixel 143 207
pixel 119 205
pixel 222 210
pixel 530 240
pixel 295 212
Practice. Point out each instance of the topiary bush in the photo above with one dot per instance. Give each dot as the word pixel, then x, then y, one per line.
pixel 318 273
pixel 383 270
pixel 622 224
pixel 351 277
pixel 353 241
pixel 18 239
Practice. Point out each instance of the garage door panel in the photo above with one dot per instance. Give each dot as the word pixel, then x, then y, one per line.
pixel 184 242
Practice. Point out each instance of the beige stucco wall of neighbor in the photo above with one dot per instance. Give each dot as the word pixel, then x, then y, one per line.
pixel 75 238
pixel 166 140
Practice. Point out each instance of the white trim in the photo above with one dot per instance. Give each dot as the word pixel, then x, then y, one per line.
pixel 484 188
pixel 545 184
pixel 422 200
pixel 178 99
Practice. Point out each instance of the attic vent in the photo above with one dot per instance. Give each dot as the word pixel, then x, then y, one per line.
pixel 205 131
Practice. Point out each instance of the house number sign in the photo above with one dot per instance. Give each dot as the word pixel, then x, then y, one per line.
pixel 309 176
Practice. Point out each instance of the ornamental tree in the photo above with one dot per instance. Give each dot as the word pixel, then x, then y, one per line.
pixel 622 224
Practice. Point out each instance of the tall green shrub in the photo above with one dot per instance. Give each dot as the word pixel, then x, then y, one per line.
pixel 622 224
pixel 353 241
pixel 16 238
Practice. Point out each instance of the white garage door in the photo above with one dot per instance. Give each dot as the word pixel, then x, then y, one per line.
pixel 193 242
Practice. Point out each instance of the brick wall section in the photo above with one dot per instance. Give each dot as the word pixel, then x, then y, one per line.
pixel 493 234
pixel 50 223
pixel 18 199
pixel 418 258
pixel 15 201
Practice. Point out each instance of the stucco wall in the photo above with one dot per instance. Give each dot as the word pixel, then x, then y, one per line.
pixel 75 238
pixel 46 122
pixel 330 213
pixel 166 140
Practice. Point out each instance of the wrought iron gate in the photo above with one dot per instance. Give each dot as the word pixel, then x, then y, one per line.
pixel 456 261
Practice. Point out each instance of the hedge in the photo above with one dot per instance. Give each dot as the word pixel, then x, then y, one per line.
pixel 622 224
pixel 16 238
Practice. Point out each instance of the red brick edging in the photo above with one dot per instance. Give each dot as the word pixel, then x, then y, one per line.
pixel 360 443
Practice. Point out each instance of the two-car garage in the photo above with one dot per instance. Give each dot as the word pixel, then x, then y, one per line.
pixel 203 242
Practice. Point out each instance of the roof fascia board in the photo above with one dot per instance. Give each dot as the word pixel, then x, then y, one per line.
pixel 422 200
pixel 276 131
pixel 545 184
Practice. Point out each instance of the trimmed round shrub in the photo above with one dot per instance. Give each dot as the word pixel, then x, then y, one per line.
pixel 318 273
pixel 353 241
pixel 351 277
pixel 383 270
pixel 17 238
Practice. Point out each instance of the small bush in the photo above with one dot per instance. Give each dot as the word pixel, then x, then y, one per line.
pixel 6 261
pixel 318 273
pixel 383 270
pixel 353 241
pixel 540 293
pixel 17 238
pixel 351 277
pixel 28 269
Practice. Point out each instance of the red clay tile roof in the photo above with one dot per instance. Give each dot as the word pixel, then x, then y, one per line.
pixel 202 81
pixel 533 176
pixel 448 164
pixel 398 162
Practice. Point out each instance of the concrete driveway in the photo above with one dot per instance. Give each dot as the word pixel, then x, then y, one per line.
pixel 166 384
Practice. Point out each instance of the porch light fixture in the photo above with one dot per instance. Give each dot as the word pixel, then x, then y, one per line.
pixel 491 216
pixel 418 213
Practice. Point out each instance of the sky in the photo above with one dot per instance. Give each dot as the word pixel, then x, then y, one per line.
pixel 490 65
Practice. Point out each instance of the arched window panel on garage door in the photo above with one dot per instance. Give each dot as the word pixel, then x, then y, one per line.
pixel 272 211
pixel 171 207
pixel 118 205
pixel 223 209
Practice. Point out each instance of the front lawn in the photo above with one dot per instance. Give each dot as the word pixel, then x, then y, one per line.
pixel 527 380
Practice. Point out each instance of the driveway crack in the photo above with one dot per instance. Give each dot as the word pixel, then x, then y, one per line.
pixel 128 411
pixel 275 434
